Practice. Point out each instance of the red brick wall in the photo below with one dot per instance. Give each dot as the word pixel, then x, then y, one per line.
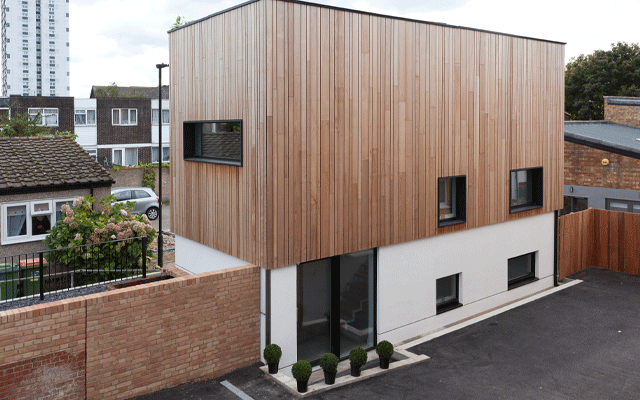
pixel 42 352
pixel 583 167
pixel 138 339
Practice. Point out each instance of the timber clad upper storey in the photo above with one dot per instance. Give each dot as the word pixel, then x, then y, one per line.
pixel 349 120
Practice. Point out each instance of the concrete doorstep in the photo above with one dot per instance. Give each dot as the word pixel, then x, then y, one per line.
pixel 401 358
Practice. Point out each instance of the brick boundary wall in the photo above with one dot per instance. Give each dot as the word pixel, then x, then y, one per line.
pixel 132 341
pixel 132 177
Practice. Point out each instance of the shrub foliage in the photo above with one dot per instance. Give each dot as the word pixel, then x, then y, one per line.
pixel 83 226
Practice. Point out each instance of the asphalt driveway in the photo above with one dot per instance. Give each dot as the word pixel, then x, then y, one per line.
pixel 579 343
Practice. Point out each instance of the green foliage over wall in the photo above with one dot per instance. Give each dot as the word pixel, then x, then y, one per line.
pixel 22 125
pixel 614 72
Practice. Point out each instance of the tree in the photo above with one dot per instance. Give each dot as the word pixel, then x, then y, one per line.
pixel 23 125
pixel 614 72
pixel 114 91
pixel 180 21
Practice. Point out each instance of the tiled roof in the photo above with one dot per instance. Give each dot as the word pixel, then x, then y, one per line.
pixel 145 91
pixel 616 138
pixel 32 163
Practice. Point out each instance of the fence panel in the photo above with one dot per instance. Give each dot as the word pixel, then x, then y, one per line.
pixel 69 268
pixel 602 238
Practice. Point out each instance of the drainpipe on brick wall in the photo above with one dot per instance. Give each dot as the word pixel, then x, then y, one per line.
pixel 556 221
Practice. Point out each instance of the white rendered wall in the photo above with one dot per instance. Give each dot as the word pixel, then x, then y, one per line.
pixel 166 131
pixel 407 274
pixel 87 134
pixel 284 331
pixel 196 258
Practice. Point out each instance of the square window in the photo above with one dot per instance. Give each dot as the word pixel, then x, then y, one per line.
pixel 526 189
pixel 44 116
pixel 124 116
pixel 218 142
pixel 452 201
pixel 447 293
pixel 522 270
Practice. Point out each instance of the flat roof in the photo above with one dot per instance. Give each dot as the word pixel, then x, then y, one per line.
pixel 604 135
pixel 364 13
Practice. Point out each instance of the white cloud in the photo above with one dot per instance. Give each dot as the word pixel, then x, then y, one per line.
pixel 122 41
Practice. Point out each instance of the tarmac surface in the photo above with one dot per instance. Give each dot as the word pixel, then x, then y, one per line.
pixel 579 343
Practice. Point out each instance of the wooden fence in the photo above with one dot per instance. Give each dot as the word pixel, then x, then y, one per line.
pixel 601 238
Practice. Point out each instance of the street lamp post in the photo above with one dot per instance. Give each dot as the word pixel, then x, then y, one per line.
pixel 160 238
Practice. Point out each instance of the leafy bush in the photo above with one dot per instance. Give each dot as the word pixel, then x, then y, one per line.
pixel 329 363
pixel 84 226
pixel 358 356
pixel 384 349
pixel 272 353
pixel 301 371
pixel 149 178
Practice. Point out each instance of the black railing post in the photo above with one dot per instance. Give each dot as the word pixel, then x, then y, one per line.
pixel 41 278
pixel 144 256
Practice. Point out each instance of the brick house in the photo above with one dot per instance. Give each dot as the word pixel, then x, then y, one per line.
pixel 602 159
pixel 387 175
pixel 37 176
pixel 125 129
pixel 56 112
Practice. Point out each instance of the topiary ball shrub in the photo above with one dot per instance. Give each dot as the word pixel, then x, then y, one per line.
pixel 329 363
pixel 384 349
pixel 358 357
pixel 272 353
pixel 301 371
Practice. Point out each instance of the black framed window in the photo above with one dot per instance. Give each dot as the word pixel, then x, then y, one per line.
pixel 218 142
pixel 522 270
pixel 526 189
pixel 452 200
pixel 447 293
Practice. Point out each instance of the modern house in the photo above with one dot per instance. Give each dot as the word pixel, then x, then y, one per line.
pixel 37 176
pixel 602 159
pixel 389 176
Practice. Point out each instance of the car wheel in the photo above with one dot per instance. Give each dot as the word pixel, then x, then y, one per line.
pixel 152 213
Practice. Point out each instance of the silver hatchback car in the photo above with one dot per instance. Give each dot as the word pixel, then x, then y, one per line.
pixel 145 199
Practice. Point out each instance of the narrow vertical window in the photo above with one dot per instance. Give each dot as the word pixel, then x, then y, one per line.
pixel 451 200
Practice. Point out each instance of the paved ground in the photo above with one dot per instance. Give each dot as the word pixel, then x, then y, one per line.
pixel 579 343
pixel 166 218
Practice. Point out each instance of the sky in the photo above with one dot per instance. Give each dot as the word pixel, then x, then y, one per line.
pixel 121 41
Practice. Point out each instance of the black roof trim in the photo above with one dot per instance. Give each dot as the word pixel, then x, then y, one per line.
pixel 595 144
pixel 623 101
pixel 54 188
pixel 367 13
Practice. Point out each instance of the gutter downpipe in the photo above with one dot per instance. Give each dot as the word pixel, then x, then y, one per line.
pixel 556 221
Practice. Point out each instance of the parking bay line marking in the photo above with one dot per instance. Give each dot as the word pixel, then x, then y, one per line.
pixel 235 390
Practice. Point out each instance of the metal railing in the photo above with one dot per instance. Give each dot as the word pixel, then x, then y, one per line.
pixel 69 268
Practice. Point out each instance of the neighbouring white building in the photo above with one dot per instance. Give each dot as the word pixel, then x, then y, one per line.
pixel 37 47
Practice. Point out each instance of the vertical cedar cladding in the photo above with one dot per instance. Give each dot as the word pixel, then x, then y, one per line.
pixel 349 120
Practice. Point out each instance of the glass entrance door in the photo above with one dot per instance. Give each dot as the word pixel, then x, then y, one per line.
pixel 336 305
pixel 314 309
